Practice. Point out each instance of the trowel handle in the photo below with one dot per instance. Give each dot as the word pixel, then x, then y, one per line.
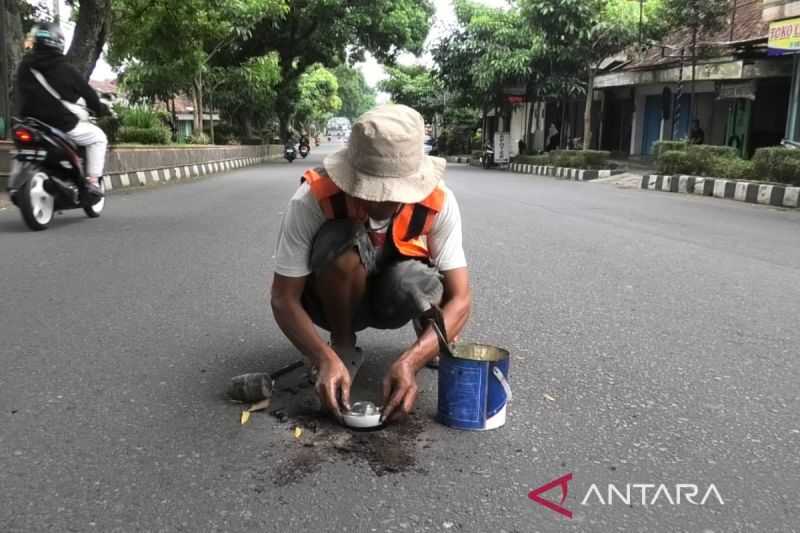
pixel 434 314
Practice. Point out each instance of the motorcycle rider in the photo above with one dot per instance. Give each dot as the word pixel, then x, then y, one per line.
pixel 37 101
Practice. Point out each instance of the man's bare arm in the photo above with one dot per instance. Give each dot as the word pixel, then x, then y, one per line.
pixel 333 385
pixel 293 319
pixel 400 385
pixel 456 305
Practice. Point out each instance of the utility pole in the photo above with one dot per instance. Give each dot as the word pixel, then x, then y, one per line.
pixel 5 112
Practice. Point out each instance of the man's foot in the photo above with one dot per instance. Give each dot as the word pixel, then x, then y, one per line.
pixel 93 194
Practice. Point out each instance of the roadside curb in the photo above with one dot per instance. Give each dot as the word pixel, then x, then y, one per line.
pixel 156 176
pixel 776 195
pixel 458 159
pixel 575 174
pixel 140 178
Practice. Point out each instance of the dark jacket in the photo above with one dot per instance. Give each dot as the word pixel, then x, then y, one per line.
pixel 35 101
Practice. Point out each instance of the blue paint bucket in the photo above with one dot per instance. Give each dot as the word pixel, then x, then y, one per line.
pixel 473 387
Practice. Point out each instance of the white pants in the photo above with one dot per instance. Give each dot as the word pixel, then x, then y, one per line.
pixel 95 141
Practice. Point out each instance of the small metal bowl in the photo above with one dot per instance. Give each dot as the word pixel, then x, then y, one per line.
pixel 363 415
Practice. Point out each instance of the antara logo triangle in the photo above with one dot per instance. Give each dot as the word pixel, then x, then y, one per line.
pixel 563 482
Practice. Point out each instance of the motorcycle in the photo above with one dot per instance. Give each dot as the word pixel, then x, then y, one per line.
pixel 47 175
pixel 304 150
pixel 289 153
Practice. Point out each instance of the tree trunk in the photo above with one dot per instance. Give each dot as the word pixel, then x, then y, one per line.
pixel 587 112
pixel 211 115
pixel 694 67
pixel 197 96
pixel 11 39
pixel 91 32
pixel 528 135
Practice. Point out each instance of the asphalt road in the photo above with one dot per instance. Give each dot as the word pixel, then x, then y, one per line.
pixel 654 339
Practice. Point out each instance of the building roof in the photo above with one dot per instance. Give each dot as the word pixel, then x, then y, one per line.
pixel 104 86
pixel 748 29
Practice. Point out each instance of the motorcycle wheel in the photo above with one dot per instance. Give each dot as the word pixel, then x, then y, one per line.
pixel 93 211
pixel 35 203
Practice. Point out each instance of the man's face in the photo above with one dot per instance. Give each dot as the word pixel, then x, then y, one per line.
pixel 381 210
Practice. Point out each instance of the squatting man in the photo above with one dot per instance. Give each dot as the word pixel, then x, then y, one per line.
pixel 371 240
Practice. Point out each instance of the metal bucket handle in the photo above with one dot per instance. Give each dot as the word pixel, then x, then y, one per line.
pixel 436 318
pixel 503 382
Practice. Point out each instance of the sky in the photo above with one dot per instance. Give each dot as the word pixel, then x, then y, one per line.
pixel 444 18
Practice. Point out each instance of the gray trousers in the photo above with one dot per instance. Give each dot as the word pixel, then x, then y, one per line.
pixel 399 289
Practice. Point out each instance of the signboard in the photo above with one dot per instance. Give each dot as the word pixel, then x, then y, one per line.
pixel 784 37
pixel 501 148
pixel 743 89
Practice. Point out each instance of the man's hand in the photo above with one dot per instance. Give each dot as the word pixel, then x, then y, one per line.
pixel 399 390
pixel 333 386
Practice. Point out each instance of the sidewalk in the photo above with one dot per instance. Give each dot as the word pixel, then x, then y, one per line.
pixel 632 177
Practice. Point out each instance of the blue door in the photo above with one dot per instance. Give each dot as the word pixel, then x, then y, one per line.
pixel 652 123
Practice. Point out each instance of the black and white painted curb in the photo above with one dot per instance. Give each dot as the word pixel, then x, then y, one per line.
pixel 561 172
pixel 742 191
pixel 465 159
pixel 141 178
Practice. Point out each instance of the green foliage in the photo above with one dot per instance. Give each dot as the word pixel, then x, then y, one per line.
pixel 701 15
pixel 141 117
pixel 581 159
pixel 134 135
pixel 245 94
pixel 329 32
pixel 252 141
pixel 707 151
pixel 198 138
pixel 319 97
pixel 732 168
pixel 677 162
pixel 665 146
pixel 414 86
pixel 778 164
pixel 110 126
pixel 706 160
pixel 584 159
pixel 542 159
pixel 357 97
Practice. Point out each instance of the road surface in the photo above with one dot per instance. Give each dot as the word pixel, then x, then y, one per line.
pixel 654 340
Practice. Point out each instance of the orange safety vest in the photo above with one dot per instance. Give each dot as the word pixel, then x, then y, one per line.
pixel 409 228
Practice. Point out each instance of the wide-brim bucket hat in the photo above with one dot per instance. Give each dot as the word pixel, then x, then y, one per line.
pixel 385 158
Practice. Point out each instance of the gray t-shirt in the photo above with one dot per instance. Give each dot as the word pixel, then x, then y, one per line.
pixel 304 218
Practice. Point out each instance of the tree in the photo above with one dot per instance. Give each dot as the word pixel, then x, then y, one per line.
pixel 589 30
pixel 319 97
pixel 245 95
pixel 329 32
pixel 17 17
pixel 491 48
pixel 698 16
pixel 414 86
pixel 181 38
pixel 91 31
pixel 357 97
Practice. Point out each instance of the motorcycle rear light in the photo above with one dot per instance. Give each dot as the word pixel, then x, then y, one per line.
pixel 23 135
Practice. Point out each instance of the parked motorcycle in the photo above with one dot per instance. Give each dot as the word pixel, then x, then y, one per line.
pixel 290 153
pixel 48 175
pixel 304 150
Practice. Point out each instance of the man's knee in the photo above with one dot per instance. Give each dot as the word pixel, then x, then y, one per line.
pixel 100 138
pixel 335 248
pixel 348 263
